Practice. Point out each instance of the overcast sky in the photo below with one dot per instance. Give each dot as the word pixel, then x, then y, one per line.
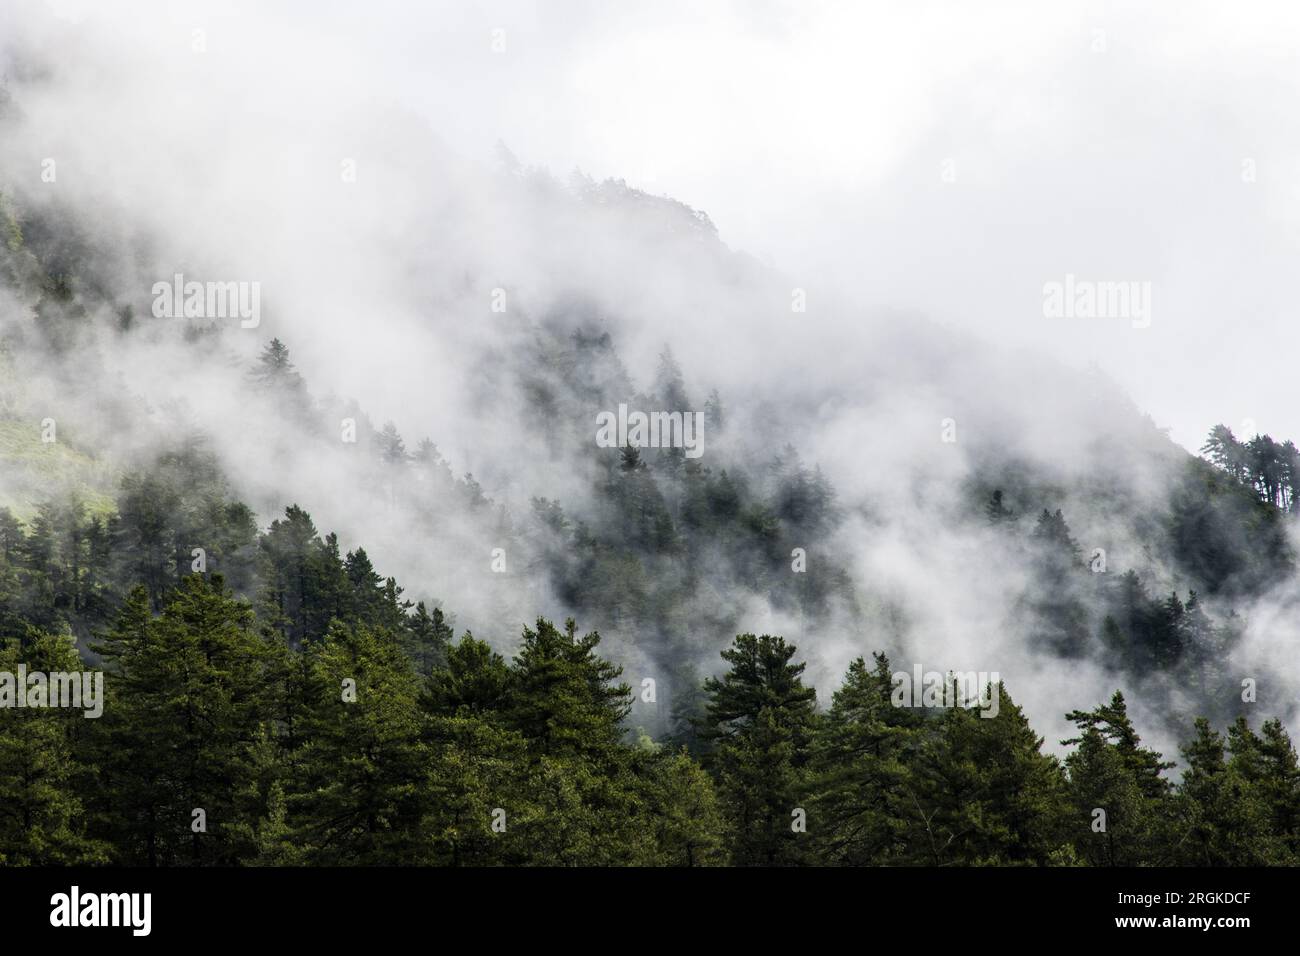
pixel 946 157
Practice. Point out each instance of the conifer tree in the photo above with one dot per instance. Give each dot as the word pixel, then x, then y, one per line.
pixel 983 793
pixel 996 511
pixel 42 817
pixel 679 802
pixel 1111 771
pixel 564 699
pixel 427 638
pixel 760 723
pixel 1221 819
pixel 474 681
pixel 860 760
pixel 356 784
pixel 187 698
pixel 1114 822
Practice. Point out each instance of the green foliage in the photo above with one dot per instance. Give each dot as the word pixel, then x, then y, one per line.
pixel 1112 772
pixel 563 697
pixel 860 761
pixel 982 792
pixel 356 783
pixel 316 717
pixel 1237 805
pixel 186 704
pixel 761 720
pixel 43 768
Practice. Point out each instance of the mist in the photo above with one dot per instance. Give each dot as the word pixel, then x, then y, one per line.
pixel 403 190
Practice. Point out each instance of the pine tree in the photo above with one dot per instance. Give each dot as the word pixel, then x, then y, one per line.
pixel 392 450
pixel 1115 823
pixel 761 721
pixel 564 699
pixel 1220 818
pixel 427 638
pixel 1113 772
pixel 996 512
pixel 1113 722
pixel 42 817
pixel 983 793
pixel 715 415
pixel 355 793
pixel 630 460
pixel 1223 449
pixel 303 581
pixel 11 536
pixel 1062 618
pixel 187 698
pixel 474 681
pixel 860 761
pixel 476 779
pixel 581 800
pixel 680 804
pixel 373 599
pixel 273 365
pixel 1276 776
pixel 1052 530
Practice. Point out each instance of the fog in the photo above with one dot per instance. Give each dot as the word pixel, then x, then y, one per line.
pixel 916 173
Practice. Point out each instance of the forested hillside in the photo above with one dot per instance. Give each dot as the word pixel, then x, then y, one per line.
pixel 417 674
pixel 329 722
pixel 315 715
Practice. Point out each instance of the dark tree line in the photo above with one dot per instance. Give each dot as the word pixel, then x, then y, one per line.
pixel 326 721
pixel 1270 468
